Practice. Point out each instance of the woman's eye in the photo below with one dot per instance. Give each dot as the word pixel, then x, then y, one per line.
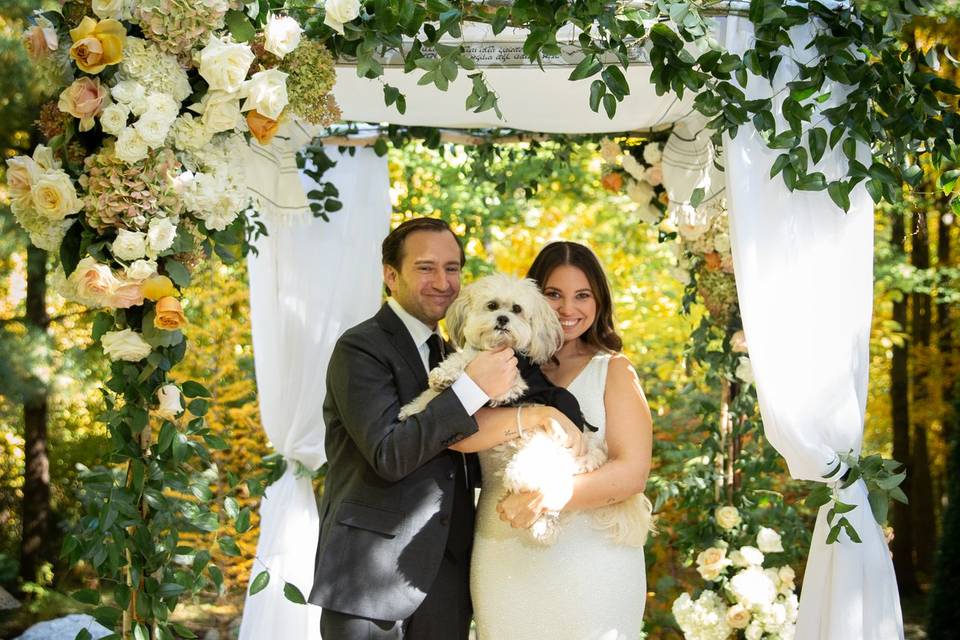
pixel 492 306
pixel 517 309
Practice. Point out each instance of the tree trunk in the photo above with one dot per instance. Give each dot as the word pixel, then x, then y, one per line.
pixel 921 498
pixel 948 359
pixel 900 410
pixel 36 484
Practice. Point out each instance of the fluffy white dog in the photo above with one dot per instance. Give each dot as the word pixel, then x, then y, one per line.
pixel 496 311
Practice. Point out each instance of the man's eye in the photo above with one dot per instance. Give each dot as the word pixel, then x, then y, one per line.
pixel 492 306
pixel 517 309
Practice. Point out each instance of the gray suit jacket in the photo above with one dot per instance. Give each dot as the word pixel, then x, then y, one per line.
pixel 388 494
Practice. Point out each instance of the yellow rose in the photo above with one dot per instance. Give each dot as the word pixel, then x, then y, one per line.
pixel 169 314
pixel 738 617
pixel 262 127
pixel 727 517
pixel 158 287
pixel 97 44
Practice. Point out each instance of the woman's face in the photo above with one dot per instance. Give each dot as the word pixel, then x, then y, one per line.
pixel 569 293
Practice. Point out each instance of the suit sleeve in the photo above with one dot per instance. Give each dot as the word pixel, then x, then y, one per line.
pixel 364 393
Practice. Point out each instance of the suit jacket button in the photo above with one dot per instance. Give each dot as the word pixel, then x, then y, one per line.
pixel 451 475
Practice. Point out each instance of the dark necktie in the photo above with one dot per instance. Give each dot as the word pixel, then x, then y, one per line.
pixel 435 345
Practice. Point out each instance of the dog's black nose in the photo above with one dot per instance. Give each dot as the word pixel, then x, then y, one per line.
pixel 502 320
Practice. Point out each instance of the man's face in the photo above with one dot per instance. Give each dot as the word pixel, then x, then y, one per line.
pixel 429 277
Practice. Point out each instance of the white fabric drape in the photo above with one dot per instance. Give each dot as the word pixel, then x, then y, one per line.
pixel 805 285
pixel 311 281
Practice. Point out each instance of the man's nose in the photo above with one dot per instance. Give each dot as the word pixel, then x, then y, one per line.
pixel 440 281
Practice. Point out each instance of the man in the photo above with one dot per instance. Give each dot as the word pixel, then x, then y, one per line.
pixel 396 524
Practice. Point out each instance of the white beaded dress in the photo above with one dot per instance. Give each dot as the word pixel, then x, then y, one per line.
pixel 585 587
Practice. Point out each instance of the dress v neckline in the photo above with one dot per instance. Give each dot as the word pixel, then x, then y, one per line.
pixel 582 370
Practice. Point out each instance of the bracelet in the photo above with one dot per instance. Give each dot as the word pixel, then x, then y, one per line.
pixel 519 426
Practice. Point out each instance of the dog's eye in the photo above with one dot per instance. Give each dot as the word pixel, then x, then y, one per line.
pixel 517 309
pixel 492 306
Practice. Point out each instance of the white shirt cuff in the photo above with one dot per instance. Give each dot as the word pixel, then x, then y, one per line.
pixel 470 395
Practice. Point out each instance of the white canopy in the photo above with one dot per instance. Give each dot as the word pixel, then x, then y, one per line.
pixel 794 254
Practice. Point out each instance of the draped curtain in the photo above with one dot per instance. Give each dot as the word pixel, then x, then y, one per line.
pixel 310 281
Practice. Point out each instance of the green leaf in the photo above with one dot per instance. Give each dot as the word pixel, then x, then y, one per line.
pixel 613 77
pixel 83 634
pixel 834 534
pixel 782 160
pixel 597 89
pixel 198 407
pixel 293 594
pixel 812 182
pixel 177 272
pixel 242 525
pixel 193 389
pixel 171 590
pixel 879 505
pixel 260 582
pixel 818 143
pixel 229 546
pixel 231 507
pixel 586 68
pixel 891 482
pixel 240 26
pixel 819 496
pixel 70 248
pixel 840 194
pixel 86 596
pixel 610 105
pixel 697 196
pixel 183 631
pixel 851 531
pixel 102 323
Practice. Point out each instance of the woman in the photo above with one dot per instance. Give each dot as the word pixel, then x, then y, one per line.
pixel 585 587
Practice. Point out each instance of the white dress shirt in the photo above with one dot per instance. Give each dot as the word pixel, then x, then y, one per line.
pixel 470 395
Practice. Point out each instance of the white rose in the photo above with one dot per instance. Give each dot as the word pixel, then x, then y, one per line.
pixel 282 35
pixel 161 234
pixel 787 576
pixel 129 245
pixel 744 371
pixel 609 151
pixel 339 12
pixel 711 562
pixel 692 223
pixel 721 242
pixel 738 617
pixel 128 92
pixel 162 105
pixel 767 539
pixel 221 111
pixel 141 269
pixel 639 192
pixel 634 168
pixel 153 129
pixel 224 64
pixel 754 631
pixel 183 181
pixel 752 588
pixel 53 195
pixel 751 555
pixel 266 92
pixel 169 397
pixel 108 9
pixel 113 120
pixel 130 146
pixel 125 345
pixel 727 517
pixel 652 153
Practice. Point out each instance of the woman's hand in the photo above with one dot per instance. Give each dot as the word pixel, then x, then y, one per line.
pixel 521 510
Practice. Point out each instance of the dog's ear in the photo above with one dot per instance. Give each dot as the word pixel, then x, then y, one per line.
pixel 457 316
pixel 547 332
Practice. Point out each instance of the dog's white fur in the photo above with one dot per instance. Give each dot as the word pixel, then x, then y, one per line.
pixel 499 310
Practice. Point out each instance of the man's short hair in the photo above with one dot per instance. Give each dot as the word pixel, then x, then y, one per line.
pixel 392 249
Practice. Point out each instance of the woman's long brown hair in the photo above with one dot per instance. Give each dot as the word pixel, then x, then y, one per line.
pixel 602 334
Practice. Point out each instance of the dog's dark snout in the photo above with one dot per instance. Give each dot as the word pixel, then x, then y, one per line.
pixel 502 320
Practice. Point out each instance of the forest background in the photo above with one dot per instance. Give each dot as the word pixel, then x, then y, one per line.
pixel 50 370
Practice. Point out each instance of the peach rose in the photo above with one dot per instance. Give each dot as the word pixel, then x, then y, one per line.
pixel 93 282
pixel 654 175
pixel 22 172
pixel 158 287
pixel 169 314
pixel 713 261
pixel 85 99
pixel 738 342
pixel 97 44
pixel 262 127
pixel 39 42
pixel 612 182
pixel 128 294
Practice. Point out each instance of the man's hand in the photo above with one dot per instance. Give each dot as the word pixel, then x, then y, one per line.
pixel 494 371
pixel 555 423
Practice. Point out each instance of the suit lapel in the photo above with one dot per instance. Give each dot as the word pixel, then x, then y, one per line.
pixel 403 341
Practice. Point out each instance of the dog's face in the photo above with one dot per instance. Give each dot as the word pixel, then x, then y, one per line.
pixel 500 310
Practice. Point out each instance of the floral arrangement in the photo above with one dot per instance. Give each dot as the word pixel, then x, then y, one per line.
pixel 742 598
pixel 139 178
pixel 141 174
pixel 704 262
